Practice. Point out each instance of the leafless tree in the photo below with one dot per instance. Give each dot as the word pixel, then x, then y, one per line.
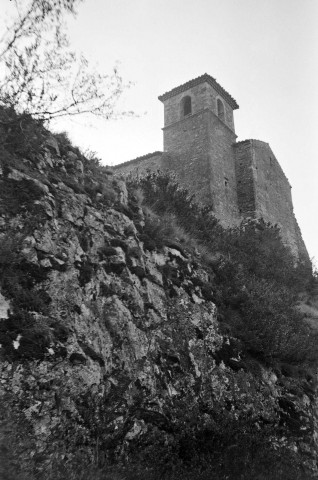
pixel 42 75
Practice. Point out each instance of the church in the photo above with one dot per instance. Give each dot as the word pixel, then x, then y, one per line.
pixel 239 180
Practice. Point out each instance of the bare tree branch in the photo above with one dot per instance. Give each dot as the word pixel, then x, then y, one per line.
pixel 43 76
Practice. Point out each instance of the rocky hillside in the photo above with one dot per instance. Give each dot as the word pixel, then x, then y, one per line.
pixel 116 361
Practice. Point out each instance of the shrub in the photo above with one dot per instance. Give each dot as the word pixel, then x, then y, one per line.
pixel 108 198
pixel 21 134
pixel 106 251
pixel 19 196
pixel 161 230
pixel 255 244
pixel 256 281
pixel 86 271
pixel 271 327
pixel 258 246
pixel 24 337
pixel 162 194
pixel 19 278
pixel 74 185
pixel 84 239
pixel 64 142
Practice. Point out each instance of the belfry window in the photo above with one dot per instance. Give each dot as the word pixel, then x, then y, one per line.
pixel 220 110
pixel 186 106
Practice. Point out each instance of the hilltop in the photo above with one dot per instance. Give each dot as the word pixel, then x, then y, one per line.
pixel 140 339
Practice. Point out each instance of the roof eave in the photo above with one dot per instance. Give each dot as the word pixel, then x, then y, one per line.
pixel 196 81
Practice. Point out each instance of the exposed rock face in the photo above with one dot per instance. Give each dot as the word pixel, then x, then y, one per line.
pixel 122 344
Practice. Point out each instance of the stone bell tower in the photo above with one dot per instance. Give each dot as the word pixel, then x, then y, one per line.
pixel 199 135
pixel 240 180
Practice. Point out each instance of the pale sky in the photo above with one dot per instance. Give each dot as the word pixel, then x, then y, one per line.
pixel 263 52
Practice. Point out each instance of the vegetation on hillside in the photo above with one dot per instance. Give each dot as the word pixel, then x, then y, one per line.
pixel 255 281
pixel 251 277
pixel 256 284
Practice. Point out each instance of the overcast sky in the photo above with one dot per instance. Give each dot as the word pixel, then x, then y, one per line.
pixel 263 52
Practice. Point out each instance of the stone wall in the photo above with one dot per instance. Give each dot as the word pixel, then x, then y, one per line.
pixel 222 171
pixel 199 151
pixel 140 166
pixel 242 180
pixel 245 179
pixel 203 96
pixel 202 155
pixel 264 191
pixel 188 134
pixel 191 172
pixel 273 193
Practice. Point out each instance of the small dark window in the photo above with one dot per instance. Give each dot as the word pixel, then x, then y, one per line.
pixel 220 110
pixel 187 107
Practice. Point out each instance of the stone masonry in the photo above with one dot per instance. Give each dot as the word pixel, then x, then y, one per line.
pixel 239 180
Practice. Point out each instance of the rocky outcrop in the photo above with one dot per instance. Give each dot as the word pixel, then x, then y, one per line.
pixel 111 349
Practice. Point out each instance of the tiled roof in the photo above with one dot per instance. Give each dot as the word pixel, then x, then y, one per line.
pixel 196 81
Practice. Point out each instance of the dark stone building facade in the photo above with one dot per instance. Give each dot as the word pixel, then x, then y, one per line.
pixel 239 179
